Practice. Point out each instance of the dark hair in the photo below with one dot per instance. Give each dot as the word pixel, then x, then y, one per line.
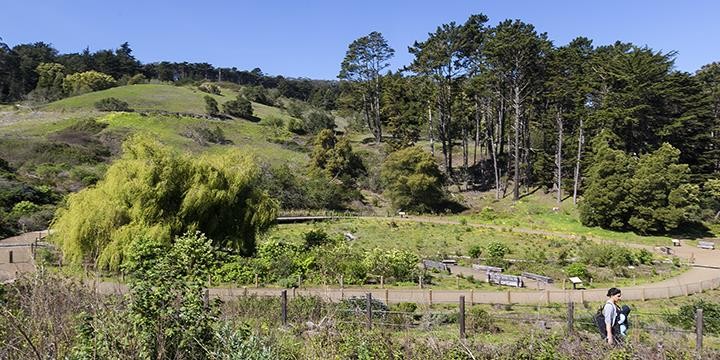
pixel 613 291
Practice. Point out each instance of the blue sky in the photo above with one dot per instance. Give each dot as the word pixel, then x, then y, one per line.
pixel 309 38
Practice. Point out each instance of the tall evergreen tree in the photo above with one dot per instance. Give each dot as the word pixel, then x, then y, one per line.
pixel 363 65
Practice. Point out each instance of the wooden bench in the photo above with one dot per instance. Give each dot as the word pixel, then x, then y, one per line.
pixel 507 280
pixel 539 278
pixel 430 264
pixel 676 242
pixel 486 268
pixel 401 214
pixel 449 261
pixel 577 283
pixel 706 245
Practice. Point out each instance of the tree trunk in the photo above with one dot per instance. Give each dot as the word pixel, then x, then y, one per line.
pixel 477 129
pixel 516 160
pixel 558 156
pixel 367 112
pixel 376 101
pixel 466 145
pixel 581 141
pixel 493 154
pixel 430 130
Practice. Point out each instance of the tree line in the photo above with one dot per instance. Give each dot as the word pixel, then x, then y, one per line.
pixel 22 68
pixel 519 111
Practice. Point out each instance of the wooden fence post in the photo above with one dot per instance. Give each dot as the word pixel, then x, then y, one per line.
pixel 10 256
pixel 283 305
pixel 387 297
pixel 369 310
pixel 257 281
pixel 462 317
pixel 698 333
pixel 472 297
pixel 570 317
pixel 430 297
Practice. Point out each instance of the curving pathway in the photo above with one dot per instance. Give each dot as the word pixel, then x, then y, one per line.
pixel 704 275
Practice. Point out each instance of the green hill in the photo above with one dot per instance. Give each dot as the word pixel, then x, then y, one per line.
pixel 158 97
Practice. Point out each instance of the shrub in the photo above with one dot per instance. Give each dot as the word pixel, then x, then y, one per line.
pixel 644 257
pixel 211 105
pixel 209 88
pixel 315 237
pixel 112 104
pixel 239 107
pixel 475 251
pixel 202 134
pixel 316 121
pixel 604 255
pixel 412 180
pixel 88 81
pixel 295 126
pixel 480 320
pixel 577 270
pixel 685 316
pixel 258 94
pixel 399 265
pixel 137 79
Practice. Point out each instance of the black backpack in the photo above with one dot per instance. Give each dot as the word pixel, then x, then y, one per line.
pixel 599 320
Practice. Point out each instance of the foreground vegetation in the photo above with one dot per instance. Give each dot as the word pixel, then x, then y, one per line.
pixel 165 317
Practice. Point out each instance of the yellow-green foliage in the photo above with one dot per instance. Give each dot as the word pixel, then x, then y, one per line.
pixel 155 193
pixel 87 81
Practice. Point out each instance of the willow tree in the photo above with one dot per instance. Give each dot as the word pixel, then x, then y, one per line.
pixel 152 192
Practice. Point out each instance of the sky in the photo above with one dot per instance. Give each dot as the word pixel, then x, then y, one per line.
pixel 309 38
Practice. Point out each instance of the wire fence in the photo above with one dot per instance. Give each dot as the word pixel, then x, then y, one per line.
pixel 464 320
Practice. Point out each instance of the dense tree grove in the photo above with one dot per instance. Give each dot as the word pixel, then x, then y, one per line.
pixel 526 114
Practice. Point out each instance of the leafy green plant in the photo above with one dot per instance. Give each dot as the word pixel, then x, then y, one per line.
pixel 112 104
pixel 577 270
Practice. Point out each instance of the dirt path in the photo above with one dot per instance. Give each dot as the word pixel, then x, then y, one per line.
pixel 695 280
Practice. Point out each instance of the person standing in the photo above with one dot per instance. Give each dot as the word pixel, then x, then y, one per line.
pixel 610 312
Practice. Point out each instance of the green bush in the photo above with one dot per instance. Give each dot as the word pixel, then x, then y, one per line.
pixel 605 255
pixel 295 126
pixel 397 265
pixel 315 237
pixel 112 104
pixel 88 81
pixel 685 316
pixel 577 269
pixel 211 105
pixel 239 107
pixel 479 319
pixel 412 180
pixel 475 251
pixel 316 121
